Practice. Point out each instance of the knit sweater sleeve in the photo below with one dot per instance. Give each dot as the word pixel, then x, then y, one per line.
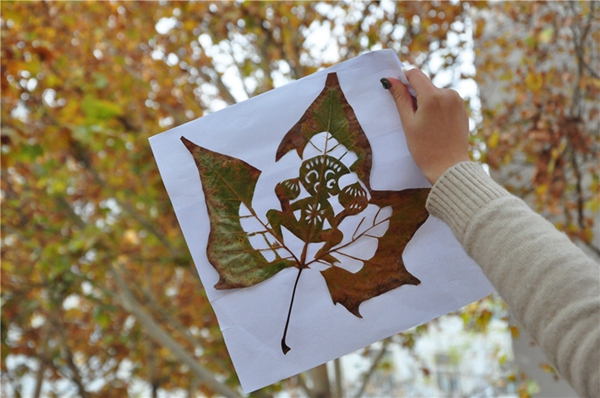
pixel 549 284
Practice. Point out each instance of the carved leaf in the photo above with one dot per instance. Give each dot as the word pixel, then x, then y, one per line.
pixel 228 182
pixel 385 270
pixel 329 203
pixel 331 112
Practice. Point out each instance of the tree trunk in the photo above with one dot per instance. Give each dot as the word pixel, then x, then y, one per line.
pixel 320 378
pixel 39 379
pixel 339 390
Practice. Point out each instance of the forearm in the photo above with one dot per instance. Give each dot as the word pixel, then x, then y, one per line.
pixel 550 285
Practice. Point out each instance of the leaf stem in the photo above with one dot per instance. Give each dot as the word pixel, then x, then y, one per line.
pixel 284 346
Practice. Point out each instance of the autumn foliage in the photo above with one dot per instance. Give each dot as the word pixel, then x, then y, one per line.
pixel 98 288
pixel 541 117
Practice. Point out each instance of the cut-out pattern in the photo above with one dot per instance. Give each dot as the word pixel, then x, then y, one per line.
pixel 329 204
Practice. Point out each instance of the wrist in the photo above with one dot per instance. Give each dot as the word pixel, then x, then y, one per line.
pixel 434 173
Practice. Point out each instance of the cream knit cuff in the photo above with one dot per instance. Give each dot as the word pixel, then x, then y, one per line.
pixel 459 193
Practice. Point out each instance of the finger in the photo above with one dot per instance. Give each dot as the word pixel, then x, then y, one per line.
pixel 403 99
pixel 420 82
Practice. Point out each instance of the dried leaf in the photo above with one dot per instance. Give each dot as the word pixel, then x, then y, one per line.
pixel 331 112
pixel 314 206
pixel 227 182
pixel 385 270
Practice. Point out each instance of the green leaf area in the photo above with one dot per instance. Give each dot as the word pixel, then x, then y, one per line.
pixel 227 182
pixel 331 112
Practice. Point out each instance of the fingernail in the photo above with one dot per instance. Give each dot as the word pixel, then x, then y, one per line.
pixel 385 83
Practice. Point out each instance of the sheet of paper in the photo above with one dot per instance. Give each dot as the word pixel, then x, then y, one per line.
pixel 308 179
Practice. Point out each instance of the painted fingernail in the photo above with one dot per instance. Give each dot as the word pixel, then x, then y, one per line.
pixel 385 83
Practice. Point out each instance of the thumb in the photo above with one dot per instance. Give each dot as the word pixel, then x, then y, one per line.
pixel 404 101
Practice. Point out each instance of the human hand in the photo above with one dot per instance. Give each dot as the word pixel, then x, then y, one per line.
pixel 436 127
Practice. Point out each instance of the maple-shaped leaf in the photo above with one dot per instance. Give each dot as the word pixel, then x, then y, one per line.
pixel 228 182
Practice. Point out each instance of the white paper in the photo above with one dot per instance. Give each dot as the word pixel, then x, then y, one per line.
pixel 252 319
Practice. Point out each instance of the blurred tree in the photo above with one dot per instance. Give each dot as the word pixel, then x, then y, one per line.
pixel 538 70
pixel 99 294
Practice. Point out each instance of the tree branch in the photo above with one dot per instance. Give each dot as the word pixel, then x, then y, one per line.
pixel 339 389
pixel 39 378
pixel 320 378
pixel 593 248
pixel 169 319
pixel 62 202
pixel 304 387
pixel 162 338
pixel 67 353
pixel 218 82
pixel 579 189
pixel 367 376
pixel 132 211
pixel 193 387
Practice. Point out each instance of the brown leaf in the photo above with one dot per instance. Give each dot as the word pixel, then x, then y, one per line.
pixel 385 270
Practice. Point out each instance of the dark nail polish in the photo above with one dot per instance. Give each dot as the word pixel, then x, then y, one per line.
pixel 385 83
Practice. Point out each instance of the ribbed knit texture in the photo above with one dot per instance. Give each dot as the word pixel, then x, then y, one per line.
pixel 550 285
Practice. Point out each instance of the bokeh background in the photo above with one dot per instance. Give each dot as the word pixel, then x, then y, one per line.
pixel 100 297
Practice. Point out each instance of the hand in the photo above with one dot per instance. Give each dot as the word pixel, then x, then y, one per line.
pixel 437 129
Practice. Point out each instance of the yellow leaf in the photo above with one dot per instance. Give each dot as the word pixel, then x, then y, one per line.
pixel 507 76
pixel 541 189
pixel 534 81
pixel 132 237
pixel 593 205
pixel 547 367
pixel 503 359
pixel 587 235
pixel 514 332
pixel 493 140
pixel 546 35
